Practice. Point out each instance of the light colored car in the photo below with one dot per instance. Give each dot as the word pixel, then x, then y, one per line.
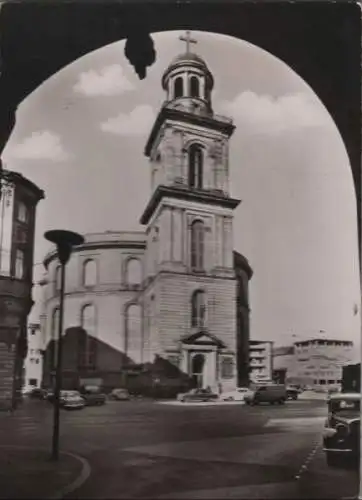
pixel 119 395
pixel 201 395
pixel 71 400
pixel 237 395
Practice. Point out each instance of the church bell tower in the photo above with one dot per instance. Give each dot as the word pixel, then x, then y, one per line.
pixel 190 293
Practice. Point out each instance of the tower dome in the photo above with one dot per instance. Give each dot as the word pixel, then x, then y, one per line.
pixel 188 81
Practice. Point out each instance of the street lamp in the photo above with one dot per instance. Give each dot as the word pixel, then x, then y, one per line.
pixel 64 241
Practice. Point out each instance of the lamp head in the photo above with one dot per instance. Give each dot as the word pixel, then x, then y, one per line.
pixel 64 241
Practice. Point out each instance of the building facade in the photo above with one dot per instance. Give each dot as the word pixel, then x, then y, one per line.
pixel 260 360
pixel 17 226
pixel 189 304
pixel 33 364
pixel 319 362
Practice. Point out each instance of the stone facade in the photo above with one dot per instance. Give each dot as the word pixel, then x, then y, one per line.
pixel 189 305
pixel 17 225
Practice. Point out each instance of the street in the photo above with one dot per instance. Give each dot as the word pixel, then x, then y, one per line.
pixel 144 449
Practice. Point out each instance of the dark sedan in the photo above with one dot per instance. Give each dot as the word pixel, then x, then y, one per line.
pixel 341 436
pixel 93 396
pixel 201 395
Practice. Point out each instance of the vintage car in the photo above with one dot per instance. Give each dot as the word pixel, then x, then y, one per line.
pixel 201 395
pixel 119 395
pixel 93 396
pixel 341 433
pixel 237 395
pixel 292 392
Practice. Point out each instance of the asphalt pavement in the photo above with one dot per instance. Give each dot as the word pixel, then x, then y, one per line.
pixel 143 449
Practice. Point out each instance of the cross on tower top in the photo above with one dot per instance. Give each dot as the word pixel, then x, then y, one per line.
pixel 187 38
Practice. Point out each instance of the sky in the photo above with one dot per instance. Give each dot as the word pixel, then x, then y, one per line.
pixel 81 135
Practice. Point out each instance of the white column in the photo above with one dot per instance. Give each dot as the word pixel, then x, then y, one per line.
pixel 218 241
pixel 227 242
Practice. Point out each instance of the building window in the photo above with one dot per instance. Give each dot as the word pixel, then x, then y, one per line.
pixel 227 367
pixel 54 338
pixel 178 87
pixel 198 309
pixel 87 340
pixel 19 264
pixel 197 245
pixel 133 332
pixel 134 272
pixel 195 166
pixel 89 273
pixel 194 87
pixel 22 215
pixel 32 382
pixel 57 281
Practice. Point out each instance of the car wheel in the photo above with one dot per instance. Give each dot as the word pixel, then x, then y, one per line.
pixel 281 401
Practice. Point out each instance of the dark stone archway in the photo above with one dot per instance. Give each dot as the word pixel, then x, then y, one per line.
pixel 319 40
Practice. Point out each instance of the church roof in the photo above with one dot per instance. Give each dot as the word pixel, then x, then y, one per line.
pixel 188 57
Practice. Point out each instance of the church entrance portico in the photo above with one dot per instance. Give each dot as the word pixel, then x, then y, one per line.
pixel 200 354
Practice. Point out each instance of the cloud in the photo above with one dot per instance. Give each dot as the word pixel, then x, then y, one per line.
pixel 137 122
pixel 270 115
pixel 40 145
pixel 108 81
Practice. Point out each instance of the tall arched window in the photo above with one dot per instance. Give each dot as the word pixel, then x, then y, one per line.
pixel 134 272
pixel 57 279
pixel 194 86
pixel 133 333
pixel 197 245
pixel 178 87
pixel 195 166
pixel 54 338
pixel 89 273
pixel 198 309
pixel 88 341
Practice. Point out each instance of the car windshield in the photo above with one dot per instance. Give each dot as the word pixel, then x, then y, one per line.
pixel 69 394
pixel 344 405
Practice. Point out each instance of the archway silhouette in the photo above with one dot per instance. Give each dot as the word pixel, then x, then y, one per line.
pixel 61 33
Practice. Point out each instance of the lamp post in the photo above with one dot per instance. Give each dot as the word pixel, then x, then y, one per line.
pixel 64 241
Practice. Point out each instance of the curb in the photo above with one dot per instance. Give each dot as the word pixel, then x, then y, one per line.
pixel 74 485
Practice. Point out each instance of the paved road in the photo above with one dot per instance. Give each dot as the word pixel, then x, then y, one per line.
pixel 149 450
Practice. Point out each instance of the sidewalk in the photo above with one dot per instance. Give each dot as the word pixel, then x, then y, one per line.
pixel 27 473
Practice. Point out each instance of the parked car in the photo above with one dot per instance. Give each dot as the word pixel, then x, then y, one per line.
pixel 71 400
pixel 292 392
pixel 201 395
pixel 341 435
pixel 37 394
pixel 270 393
pixel 93 396
pixel 119 395
pixel 237 395
pixel 49 395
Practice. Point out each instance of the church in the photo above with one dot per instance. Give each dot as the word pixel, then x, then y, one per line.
pixel 177 291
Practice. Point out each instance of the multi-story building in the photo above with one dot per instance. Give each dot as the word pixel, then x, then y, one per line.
pixel 260 360
pixel 284 364
pixel 319 362
pixel 19 198
pixel 189 303
pixel 33 364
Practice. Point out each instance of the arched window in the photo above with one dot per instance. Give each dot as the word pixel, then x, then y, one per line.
pixel 89 273
pixel 197 245
pixel 134 272
pixel 133 333
pixel 194 86
pixel 54 338
pixel 57 280
pixel 198 309
pixel 178 87
pixel 88 341
pixel 195 166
